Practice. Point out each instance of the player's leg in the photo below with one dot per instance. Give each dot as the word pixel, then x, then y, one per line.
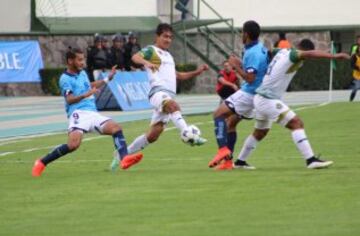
pixel 221 134
pixel 265 113
pixel 295 124
pixel 145 139
pixel 231 123
pixel 172 108
pixel 74 141
pixel 261 130
pixel 112 128
pixel 356 87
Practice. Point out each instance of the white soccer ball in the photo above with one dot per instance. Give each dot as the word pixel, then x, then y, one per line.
pixel 190 134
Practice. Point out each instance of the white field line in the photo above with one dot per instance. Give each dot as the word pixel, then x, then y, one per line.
pixel 103 136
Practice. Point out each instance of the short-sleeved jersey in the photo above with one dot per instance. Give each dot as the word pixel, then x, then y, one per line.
pixel 255 61
pixel 165 77
pixel 77 84
pixel 281 70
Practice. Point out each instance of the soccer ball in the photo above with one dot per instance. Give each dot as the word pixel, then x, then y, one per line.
pixel 190 134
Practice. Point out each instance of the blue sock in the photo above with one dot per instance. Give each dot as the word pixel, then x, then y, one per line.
pixel 231 137
pixel 56 153
pixel 120 144
pixel 220 131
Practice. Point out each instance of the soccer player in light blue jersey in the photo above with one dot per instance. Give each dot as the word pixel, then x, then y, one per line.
pixel 240 105
pixel 82 114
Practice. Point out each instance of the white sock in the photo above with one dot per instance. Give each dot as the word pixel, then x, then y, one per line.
pixel 139 143
pixel 248 147
pixel 302 143
pixel 178 120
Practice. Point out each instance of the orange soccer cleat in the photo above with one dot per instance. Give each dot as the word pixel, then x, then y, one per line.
pixel 220 155
pixel 225 165
pixel 38 168
pixel 130 160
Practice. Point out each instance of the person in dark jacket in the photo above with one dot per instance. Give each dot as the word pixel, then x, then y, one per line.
pixel 98 57
pixel 117 54
pixel 131 48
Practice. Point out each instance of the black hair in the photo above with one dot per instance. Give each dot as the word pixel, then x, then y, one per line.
pixel 252 28
pixel 163 27
pixel 306 45
pixel 71 53
pixel 282 35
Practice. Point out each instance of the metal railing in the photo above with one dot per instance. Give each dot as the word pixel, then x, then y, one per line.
pixel 210 35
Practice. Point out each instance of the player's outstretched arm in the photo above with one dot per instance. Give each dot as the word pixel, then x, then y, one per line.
pixel 322 54
pixel 191 74
pixel 99 83
pixel 71 99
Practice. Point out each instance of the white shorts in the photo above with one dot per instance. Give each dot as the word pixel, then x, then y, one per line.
pixel 271 110
pixel 87 121
pixel 242 104
pixel 158 100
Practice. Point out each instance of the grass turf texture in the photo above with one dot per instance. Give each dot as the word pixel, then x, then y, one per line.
pixel 172 192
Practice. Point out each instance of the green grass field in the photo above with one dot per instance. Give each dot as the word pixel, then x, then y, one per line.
pixel 172 192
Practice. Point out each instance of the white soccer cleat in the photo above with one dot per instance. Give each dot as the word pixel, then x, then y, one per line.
pixel 115 162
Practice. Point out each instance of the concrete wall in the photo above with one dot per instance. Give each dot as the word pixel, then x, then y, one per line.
pixel 15 16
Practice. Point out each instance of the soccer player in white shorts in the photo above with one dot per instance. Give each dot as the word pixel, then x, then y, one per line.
pixel 160 67
pixel 270 108
pixel 83 116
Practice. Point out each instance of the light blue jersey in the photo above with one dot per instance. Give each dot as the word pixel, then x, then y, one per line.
pixel 255 61
pixel 77 84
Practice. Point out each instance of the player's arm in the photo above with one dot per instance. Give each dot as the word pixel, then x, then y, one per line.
pixel 191 74
pixel 71 99
pixel 99 83
pixel 249 76
pixel 321 54
pixel 142 57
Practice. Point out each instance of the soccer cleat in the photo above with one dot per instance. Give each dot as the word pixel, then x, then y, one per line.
pixel 226 164
pixel 115 162
pixel 239 164
pixel 199 141
pixel 316 163
pixel 130 160
pixel 220 155
pixel 38 168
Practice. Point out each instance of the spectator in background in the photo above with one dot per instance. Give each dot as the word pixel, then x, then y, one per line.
pixel 227 82
pixel 117 54
pixel 355 65
pixel 355 46
pixel 98 57
pixel 131 48
pixel 282 42
pixel 181 6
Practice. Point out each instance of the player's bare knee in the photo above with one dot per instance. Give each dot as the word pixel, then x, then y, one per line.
pixel 152 137
pixel 295 123
pixel 73 145
pixel 259 134
pixel 171 106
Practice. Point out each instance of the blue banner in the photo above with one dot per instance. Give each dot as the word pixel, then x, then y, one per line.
pixel 20 61
pixel 131 90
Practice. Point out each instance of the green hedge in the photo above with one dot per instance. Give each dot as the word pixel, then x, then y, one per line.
pixel 49 80
pixel 185 86
pixel 314 75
